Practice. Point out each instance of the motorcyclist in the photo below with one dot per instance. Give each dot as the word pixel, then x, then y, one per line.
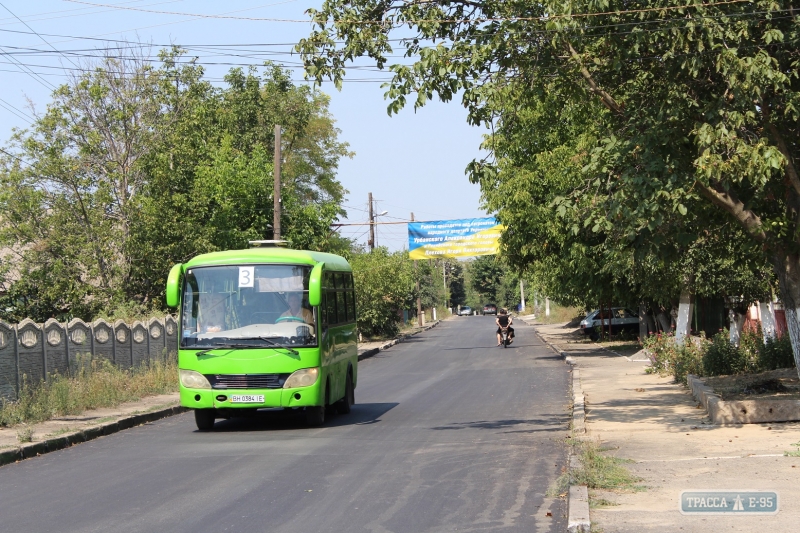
pixel 504 320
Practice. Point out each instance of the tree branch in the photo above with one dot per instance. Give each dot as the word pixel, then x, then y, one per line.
pixel 791 171
pixel 730 203
pixel 606 98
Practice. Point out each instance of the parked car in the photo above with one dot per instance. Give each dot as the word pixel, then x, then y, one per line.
pixel 489 309
pixel 622 319
pixel 465 311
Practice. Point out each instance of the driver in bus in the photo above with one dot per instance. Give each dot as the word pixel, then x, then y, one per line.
pixel 296 310
pixel 212 314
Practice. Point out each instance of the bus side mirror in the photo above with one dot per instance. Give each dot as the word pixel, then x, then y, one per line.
pixel 315 285
pixel 174 285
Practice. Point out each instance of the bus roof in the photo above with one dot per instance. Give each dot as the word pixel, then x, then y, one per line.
pixel 269 255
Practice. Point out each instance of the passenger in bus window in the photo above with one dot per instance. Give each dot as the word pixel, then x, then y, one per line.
pixel 296 310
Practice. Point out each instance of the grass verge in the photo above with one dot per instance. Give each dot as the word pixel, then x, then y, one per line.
pixel 794 453
pixel 598 472
pixel 559 314
pixel 91 384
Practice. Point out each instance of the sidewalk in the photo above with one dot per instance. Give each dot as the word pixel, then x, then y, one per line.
pixel 65 431
pixel 657 424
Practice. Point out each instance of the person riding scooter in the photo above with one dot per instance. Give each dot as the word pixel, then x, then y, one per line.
pixel 503 320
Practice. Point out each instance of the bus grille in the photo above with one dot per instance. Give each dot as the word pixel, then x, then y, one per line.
pixel 247 381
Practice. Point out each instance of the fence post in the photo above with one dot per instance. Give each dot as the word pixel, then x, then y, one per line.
pixel 16 358
pixel 44 352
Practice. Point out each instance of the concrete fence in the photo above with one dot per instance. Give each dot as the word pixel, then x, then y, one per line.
pixel 37 351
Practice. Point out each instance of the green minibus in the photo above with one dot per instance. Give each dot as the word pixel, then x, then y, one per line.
pixel 265 327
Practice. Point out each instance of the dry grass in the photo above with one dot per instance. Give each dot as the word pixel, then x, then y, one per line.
pixel 559 314
pixel 597 471
pixel 93 383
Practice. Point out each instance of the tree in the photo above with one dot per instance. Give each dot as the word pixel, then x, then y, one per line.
pixel 699 101
pixel 135 167
pixel 385 286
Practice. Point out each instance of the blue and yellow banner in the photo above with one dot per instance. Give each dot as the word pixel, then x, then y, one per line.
pixel 465 237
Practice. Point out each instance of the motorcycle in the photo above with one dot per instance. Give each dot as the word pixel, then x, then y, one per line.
pixel 505 338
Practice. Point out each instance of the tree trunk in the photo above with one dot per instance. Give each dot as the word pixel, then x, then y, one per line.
pixel 684 319
pixel 737 317
pixel 664 321
pixel 787 268
pixel 768 328
pixel 644 326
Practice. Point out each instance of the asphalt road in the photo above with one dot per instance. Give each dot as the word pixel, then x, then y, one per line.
pixel 449 433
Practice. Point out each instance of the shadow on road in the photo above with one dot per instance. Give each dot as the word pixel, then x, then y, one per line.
pixel 552 422
pixel 277 420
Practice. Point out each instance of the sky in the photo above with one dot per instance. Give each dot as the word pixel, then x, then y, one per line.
pixel 411 162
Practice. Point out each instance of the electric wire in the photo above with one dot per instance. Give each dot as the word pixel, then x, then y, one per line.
pixel 472 20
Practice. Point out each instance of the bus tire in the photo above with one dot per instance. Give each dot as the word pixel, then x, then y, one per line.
pixel 315 416
pixel 343 406
pixel 204 418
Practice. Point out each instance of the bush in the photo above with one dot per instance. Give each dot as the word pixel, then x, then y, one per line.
pixel 668 357
pixel 718 357
pixel 722 357
pixel 776 353
pixel 385 286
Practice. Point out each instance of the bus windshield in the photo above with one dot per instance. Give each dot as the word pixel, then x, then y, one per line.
pixel 263 304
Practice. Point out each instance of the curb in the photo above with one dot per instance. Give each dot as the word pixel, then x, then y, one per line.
pixel 578 520
pixel 388 344
pixel 26 451
pixel 736 412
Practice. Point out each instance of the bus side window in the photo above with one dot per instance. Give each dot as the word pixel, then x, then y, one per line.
pixel 323 314
pixel 341 302
pixel 351 312
pixel 330 299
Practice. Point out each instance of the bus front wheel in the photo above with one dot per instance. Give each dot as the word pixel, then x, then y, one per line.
pixel 204 418
pixel 343 406
pixel 315 416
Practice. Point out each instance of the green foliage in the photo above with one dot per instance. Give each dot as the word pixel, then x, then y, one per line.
pixel 669 358
pixel 723 358
pixel 635 149
pixel 385 285
pixel 137 166
pixel 717 356
pixel 494 282
pixel 776 353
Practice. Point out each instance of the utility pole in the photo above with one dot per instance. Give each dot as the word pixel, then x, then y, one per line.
pixel 276 191
pixel 522 295
pixel 371 225
pixel 419 297
pixel 444 281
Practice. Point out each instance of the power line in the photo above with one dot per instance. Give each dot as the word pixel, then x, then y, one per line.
pixel 193 15
pixel 40 37
pixel 474 20
pixel 31 18
pixel 9 154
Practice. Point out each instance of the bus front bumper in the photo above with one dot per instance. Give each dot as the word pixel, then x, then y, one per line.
pixel 223 398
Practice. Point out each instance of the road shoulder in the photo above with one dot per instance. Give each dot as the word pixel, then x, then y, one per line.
pixel 65 431
pixel 673 446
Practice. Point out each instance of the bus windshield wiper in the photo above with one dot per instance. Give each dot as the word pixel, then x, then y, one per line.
pixel 272 343
pixel 223 345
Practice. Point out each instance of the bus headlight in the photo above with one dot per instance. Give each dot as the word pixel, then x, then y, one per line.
pixel 194 380
pixel 305 377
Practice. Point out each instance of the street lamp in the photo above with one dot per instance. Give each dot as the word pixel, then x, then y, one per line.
pixel 373 242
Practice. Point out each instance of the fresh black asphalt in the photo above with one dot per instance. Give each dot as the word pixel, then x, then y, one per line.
pixel 449 433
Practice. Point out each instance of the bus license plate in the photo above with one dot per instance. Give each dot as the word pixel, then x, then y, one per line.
pixel 247 398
